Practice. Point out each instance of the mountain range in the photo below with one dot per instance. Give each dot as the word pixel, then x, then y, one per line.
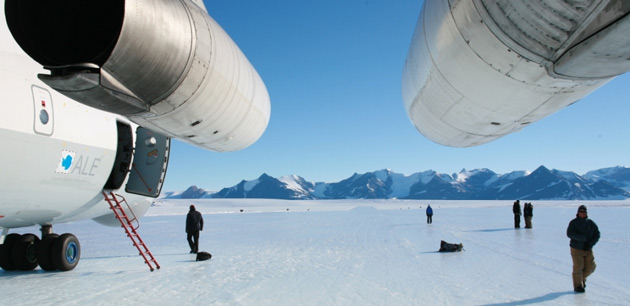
pixel 480 184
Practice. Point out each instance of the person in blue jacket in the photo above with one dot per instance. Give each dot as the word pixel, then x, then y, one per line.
pixel 429 214
pixel 584 235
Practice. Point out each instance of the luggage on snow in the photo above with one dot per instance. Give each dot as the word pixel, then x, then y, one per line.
pixel 201 256
pixel 450 247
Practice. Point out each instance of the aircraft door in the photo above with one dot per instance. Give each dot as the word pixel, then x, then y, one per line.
pixel 122 161
pixel 150 161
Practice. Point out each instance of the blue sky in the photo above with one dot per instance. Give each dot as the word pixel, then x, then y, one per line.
pixel 333 71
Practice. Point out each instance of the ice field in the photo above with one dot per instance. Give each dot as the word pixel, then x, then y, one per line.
pixel 347 252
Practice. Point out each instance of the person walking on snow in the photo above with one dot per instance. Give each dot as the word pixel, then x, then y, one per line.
pixel 584 235
pixel 429 214
pixel 194 224
pixel 516 209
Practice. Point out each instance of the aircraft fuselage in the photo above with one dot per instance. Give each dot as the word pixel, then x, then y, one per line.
pixel 58 153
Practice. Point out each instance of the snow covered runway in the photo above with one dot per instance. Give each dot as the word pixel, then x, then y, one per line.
pixel 338 253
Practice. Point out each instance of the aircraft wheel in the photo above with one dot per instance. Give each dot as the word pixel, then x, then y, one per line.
pixel 66 252
pixel 24 252
pixel 44 252
pixel 6 260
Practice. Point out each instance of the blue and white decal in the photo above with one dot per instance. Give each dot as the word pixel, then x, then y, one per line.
pixel 65 162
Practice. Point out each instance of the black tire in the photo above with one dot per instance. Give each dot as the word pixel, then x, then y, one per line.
pixel 24 253
pixel 44 252
pixel 6 260
pixel 66 252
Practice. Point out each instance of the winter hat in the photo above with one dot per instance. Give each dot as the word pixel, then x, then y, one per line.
pixel 581 208
pixel 192 207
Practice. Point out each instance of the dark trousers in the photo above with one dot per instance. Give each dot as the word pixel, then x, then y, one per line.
pixel 517 221
pixel 193 241
pixel 429 219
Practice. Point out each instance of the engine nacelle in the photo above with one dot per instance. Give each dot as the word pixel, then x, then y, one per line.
pixel 478 70
pixel 164 64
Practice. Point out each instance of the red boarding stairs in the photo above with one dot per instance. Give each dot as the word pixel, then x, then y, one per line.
pixel 115 206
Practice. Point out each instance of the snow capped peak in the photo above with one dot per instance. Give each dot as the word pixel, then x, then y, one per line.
pixel 289 178
pixel 249 185
pixel 462 176
pixel 607 171
pixel 383 174
pixel 294 182
pixel 516 174
pixel 426 176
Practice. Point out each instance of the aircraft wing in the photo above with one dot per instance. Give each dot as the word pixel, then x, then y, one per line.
pixel 481 69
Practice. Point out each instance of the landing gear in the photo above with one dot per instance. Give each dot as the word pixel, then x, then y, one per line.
pixel 44 252
pixel 66 252
pixel 24 253
pixel 53 252
pixel 6 250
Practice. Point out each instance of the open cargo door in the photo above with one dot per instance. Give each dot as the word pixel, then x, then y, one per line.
pixel 150 161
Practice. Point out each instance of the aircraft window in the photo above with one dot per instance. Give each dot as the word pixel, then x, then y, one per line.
pixel 43 116
pixel 43 111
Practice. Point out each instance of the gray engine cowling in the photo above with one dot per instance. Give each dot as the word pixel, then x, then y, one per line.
pixel 166 65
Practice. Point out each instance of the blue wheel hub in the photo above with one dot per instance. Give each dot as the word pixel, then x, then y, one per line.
pixel 72 252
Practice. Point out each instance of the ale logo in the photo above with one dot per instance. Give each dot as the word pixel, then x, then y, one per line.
pixel 65 162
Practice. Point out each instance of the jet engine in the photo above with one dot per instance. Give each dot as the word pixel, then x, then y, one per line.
pixel 478 70
pixel 166 65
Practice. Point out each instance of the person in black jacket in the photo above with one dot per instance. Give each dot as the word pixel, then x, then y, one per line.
pixel 516 209
pixel 528 213
pixel 194 224
pixel 584 235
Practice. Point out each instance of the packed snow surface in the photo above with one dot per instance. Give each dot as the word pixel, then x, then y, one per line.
pixel 347 252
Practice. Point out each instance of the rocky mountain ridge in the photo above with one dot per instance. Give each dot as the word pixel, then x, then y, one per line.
pixel 479 184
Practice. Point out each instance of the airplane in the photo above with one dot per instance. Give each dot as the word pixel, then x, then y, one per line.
pixel 481 69
pixel 92 93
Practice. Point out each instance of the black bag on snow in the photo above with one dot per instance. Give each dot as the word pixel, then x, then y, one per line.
pixel 450 247
pixel 201 256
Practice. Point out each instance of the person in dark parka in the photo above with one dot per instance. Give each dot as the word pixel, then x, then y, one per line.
pixel 584 234
pixel 516 209
pixel 194 224
pixel 528 213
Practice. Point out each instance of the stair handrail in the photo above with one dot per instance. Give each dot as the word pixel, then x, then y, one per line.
pixel 114 195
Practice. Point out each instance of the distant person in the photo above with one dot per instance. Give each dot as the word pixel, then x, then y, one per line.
pixel 528 213
pixel 194 224
pixel 584 235
pixel 429 214
pixel 516 209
